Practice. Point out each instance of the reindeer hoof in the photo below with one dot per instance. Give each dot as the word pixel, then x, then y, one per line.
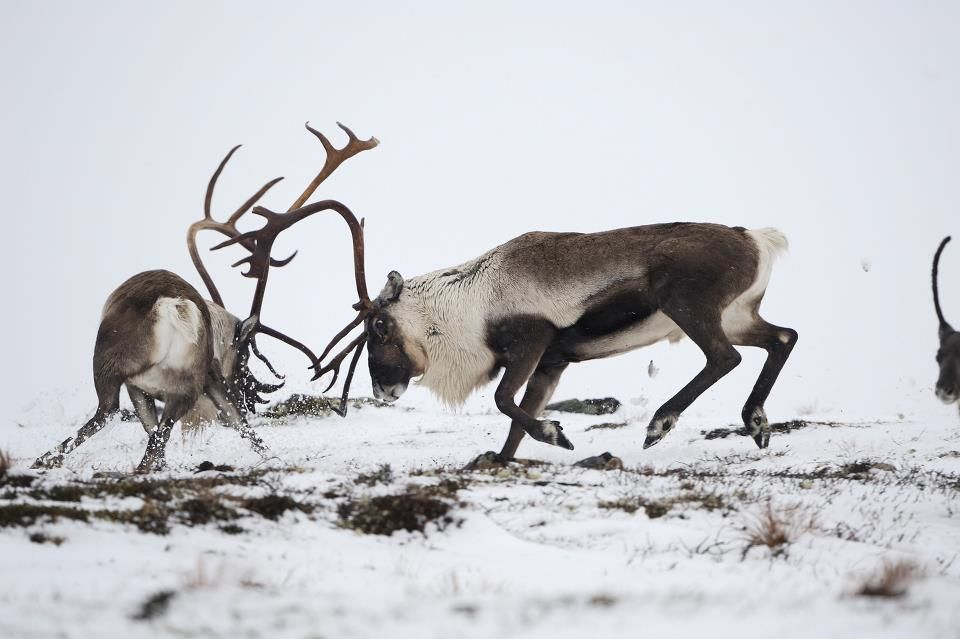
pixel 758 427
pixel 550 432
pixel 658 429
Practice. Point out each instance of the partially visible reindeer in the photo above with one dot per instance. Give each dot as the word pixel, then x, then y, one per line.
pixel 948 355
pixel 541 301
pixel 162 340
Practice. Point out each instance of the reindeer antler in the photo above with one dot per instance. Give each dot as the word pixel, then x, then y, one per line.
pixel 335 157
pixel 258 267
pixel 228 228
pixel 260 244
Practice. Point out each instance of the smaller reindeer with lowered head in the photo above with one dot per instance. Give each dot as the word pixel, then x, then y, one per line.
pixel 948 355
pixel 163 341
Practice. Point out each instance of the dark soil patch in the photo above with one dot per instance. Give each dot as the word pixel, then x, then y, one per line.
pixel 155 606
pixel 274 506
pixel 604 406
pixel 411 510
pixel 23 515
pixel 43 538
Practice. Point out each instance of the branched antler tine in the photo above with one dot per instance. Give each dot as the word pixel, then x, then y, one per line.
pixel 334 364
pixel 241 238
pixel 335 157
pixel 323 139
pixel 266 330
pixel 342 412
pixel 350 134
pixel 343 333
pixel 256 351
pixel 232 220
pixel 213 181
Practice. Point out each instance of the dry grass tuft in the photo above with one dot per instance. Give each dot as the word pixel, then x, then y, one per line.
pixel 5 462
pixel 777 529
pixel 891 581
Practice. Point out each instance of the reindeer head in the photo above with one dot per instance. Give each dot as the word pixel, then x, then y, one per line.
pixel 948 355
pixel 393 358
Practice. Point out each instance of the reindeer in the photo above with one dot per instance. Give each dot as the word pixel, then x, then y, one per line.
pixel 948 355
pixel 162 340
pixel 542 301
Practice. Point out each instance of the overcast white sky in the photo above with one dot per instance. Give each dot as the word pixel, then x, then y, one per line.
pixel 838 123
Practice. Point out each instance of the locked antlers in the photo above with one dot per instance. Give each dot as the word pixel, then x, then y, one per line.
pixel 260 244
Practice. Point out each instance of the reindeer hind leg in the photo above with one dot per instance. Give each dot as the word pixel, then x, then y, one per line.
pixel 778 342
pixel 703 327
pixel 154 456
pixel 108 396
pixel 145 408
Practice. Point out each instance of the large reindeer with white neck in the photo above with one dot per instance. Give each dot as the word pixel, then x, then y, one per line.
pixel 162 340
pixel 542 301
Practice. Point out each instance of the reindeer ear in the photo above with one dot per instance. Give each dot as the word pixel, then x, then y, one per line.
pixel 393 287
pixel 246 328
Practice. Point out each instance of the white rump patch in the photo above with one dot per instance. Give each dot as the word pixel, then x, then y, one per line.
pixel 176 332
pixel 740 315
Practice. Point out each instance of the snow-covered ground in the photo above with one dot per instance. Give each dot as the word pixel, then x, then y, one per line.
pixel 534 550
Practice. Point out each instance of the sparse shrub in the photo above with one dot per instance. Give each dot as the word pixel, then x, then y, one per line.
pixel 5 463
pixel 891 580
pixel 776 529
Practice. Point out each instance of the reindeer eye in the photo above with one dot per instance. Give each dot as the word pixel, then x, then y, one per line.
pixel 379 329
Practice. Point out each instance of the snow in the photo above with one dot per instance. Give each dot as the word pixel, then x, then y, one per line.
pixel 534 555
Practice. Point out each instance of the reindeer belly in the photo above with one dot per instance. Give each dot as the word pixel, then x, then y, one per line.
pixel 175 350
pixel 652 329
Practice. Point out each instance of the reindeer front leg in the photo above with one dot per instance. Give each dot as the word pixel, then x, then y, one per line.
pixel 518 345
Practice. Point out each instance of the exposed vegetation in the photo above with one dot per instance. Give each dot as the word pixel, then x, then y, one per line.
pixel 891 581
pixel 656 508
pixel 299 405
pixel 605 426
pixel 604 406
pixel 411 510
pixel 194 501
pixel 777 529
pixel 382 475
